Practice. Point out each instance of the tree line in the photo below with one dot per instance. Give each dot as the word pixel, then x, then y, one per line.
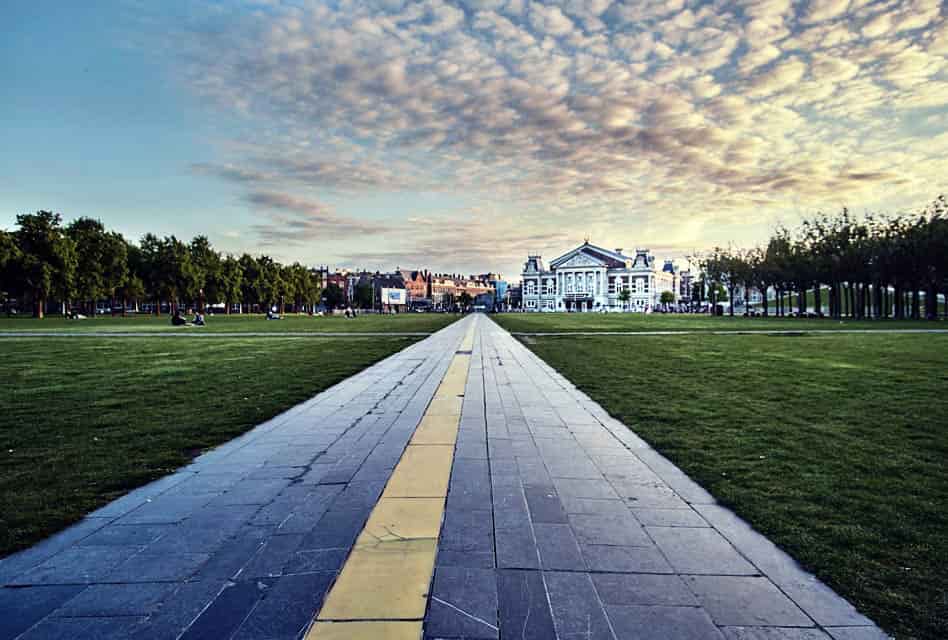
pixel 875 267
pixel 82 263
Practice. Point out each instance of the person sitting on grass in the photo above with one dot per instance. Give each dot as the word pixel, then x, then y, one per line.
pixel 177 320
pixel 272 314
pixel 199 319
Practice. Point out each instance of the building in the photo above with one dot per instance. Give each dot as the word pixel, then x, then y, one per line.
pixel 590 278
pixel 446 288
pixel 417 284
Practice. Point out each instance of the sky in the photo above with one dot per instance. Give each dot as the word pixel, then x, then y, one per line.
pixel 461 136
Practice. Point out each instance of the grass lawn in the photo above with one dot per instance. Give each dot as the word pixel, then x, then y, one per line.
pixel 402 322
pixel 86 420
pixel 835 447
pixel 543 322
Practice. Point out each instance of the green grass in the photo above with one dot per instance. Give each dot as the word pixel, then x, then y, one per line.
pixel 835 447
pixel 85 421
pixel 543 322
pixel 402 322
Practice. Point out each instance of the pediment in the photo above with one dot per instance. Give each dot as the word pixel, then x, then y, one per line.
pixel 580 260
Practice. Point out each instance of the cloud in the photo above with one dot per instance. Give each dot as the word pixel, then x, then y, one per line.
pixel 565 112
pixel 293 220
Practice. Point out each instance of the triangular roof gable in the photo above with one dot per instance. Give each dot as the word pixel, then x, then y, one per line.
pixel 605 257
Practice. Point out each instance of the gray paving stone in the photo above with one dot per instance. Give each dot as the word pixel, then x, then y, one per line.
pixel 746 601
pixel 76 565
pixel 151 567
pixel 230 558
pixel 701 551
pixel 110 600
pixel 19 562
pixel 669 517
pixel 516 548
pixel 558 548
pixel 23 607
pixel 857 633
pixel 772 633
pixel 288 607
pixel 127 535
pixel 318 560
pixel 467 531
pixel 449 558
pixel 228 610
pixel 81 629
pixel 577 610
pixel 582 488
pixel 625 559
pixel 646 622
pixel 523 607
pixel 463 604
pixel 819 601
pixel 643 589
pixel 544 506
pixel 592 506
pixel 611 530
pixel 177 611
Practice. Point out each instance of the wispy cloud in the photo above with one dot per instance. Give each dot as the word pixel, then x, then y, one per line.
pixel 291 220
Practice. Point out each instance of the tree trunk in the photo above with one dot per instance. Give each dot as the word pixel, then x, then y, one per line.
pixel 730 306
pixel 39 307
pixel 916 313
pixel 801 301
pixel 818 300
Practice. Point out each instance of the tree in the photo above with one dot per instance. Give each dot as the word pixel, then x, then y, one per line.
pixel 230 281
pixel 249 287
pixel 89 236
pixel 10 278
pixel 465 299
pixel 206 264
pixel 333 296
pixel 364 295
pixel 47 261
pixel 667 298
pixel 624 296
pixel 269 283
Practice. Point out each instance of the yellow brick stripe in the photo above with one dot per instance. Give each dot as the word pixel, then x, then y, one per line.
pixel 382 590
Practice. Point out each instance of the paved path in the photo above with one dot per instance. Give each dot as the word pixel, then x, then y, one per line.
pixel 559 523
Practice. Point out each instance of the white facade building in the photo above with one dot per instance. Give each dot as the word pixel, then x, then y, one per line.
pixel 590 278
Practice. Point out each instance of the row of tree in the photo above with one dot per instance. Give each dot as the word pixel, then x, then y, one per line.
pixel 83 262
pixel 874 267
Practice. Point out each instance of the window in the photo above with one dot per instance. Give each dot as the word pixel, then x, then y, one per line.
pixel 612 284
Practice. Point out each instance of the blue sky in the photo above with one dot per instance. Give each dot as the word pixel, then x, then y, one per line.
pixel 461 135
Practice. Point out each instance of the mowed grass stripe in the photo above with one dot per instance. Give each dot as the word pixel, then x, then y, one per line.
pixel 382 590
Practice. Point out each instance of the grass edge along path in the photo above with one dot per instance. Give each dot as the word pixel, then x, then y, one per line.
pixel 834 447
pixel 86 421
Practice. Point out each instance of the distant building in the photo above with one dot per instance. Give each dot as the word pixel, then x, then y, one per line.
pixel 447 288
pixel 590 278
pixel 417 284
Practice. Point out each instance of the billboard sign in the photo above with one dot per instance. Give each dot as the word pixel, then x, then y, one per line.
pixel 394 296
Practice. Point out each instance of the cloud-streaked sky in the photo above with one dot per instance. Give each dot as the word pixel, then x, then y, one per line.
pixel 462 135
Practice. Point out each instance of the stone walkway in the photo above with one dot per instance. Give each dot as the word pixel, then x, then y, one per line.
pixel 559 523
